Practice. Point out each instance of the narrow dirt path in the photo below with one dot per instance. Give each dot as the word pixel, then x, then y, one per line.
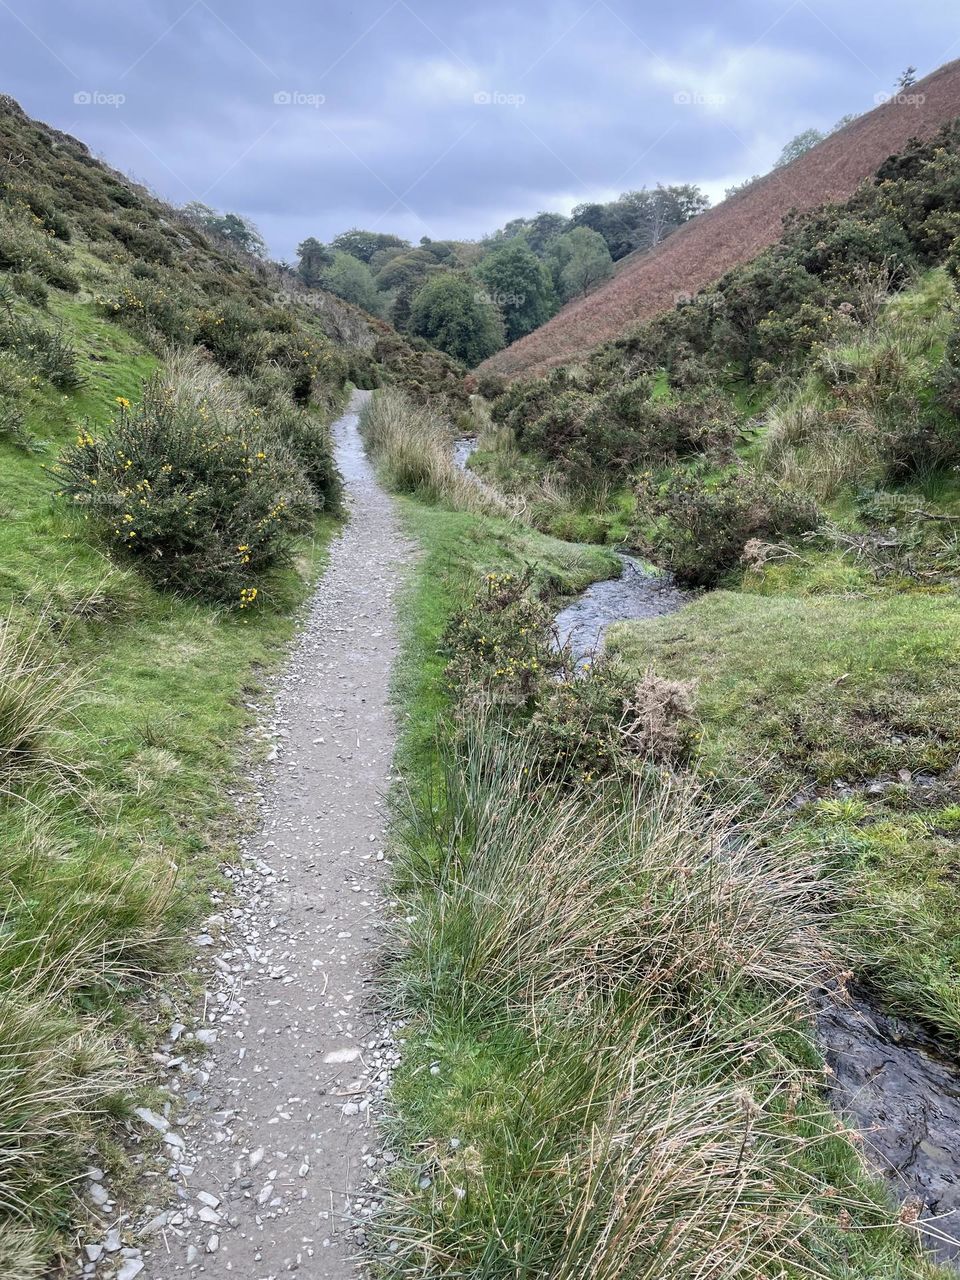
pixel 277 1137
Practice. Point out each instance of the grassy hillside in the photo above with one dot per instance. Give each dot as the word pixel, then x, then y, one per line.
pixel 166 492
pixel 733 232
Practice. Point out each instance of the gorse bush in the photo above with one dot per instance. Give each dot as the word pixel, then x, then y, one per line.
pixel 45 349
pixel 27 246
pixel 192 485
pixel 698 526
pixel 503 655
pixel 605 722
pixel 499 648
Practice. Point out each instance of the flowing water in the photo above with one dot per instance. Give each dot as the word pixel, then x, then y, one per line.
pixel 639 592
pixel 891 1081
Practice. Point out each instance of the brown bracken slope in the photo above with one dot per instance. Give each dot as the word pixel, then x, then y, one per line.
pixel 732 232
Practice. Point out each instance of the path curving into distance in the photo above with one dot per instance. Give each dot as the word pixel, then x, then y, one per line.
pixel 274 1144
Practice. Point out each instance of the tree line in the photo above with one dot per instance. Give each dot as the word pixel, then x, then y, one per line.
pixel 470 298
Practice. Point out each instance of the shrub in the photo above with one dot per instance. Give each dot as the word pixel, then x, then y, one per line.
pixel 500 648
pixel 26 247
pixel 150 309
pixel 143 241
pixel 698 527
pixel 490 385
pixel 308 440
pixel 30 288
pixel 605 722
pixel 232 334
pixel 192 486
pixel 45 349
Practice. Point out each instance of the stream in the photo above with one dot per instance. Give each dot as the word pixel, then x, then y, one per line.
pixel 639 592
pixel 888 1078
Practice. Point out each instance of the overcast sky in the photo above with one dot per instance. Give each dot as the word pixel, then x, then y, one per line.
pixel 447 117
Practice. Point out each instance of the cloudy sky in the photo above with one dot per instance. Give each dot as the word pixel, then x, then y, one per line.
pixel 447 117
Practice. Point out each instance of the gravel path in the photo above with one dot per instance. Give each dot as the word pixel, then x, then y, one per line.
pixel 275 1138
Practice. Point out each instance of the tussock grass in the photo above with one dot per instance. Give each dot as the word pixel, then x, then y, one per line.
pixel 55 1080
pixel 23 1254
pixel 413 449
pixel 602 986
pixel 643 891
pixel 36 693
pixel 863 410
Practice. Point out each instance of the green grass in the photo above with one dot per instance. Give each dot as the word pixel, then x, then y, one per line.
pixel 814 690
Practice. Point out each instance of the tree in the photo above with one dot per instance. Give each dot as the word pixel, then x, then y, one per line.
pixel 641 219
pixel 797 146
pixel 409 268
pixel 232 227
pixel 520 285
pixel 580 259
pixel 607 222
pixel 362 245
pixel 313 258
pixel 442 250
pixel 906 79
pixel 350 279
pixel 382 257
pixel 452 313
pixel 541 231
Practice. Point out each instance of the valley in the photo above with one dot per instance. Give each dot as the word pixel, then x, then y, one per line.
pixel 478 813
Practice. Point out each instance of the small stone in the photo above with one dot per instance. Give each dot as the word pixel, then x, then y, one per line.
pixel 160 1123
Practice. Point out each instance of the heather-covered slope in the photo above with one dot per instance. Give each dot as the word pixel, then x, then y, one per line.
pixel 733 232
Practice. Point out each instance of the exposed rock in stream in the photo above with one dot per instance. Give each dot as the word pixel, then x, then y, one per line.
pixel 903 1096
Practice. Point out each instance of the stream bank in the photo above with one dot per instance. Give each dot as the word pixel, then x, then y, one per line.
pixel 887 1077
